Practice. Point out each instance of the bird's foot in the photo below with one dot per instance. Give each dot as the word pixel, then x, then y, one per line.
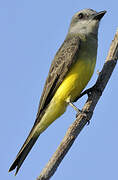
pixel 79 111
pixel 73 106
pixel 84 113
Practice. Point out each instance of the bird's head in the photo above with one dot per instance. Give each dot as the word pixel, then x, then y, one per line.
pixel 86 22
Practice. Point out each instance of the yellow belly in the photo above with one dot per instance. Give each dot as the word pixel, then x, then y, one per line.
pixel 71 87
pixel 76 80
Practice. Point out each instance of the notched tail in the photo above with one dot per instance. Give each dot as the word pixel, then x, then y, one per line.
pixel 22 154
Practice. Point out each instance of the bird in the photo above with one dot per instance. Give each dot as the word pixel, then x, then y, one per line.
pixel 70 71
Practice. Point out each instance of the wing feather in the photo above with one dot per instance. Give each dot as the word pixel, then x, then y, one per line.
pixel 63 60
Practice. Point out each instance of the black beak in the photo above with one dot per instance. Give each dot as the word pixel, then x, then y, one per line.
pixel 98 16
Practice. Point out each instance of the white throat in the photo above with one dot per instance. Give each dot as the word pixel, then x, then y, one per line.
pixel 85 27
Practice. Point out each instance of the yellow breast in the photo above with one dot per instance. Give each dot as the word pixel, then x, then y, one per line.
pixel 76 80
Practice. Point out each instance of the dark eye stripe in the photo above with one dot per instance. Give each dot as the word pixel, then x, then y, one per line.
pixel 80 15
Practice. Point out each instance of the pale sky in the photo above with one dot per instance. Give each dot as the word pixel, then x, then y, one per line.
pixel 30 34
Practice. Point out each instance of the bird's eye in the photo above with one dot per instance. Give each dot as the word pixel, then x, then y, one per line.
pixel 80 15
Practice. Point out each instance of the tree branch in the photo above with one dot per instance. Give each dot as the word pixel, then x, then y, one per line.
pixel 86 114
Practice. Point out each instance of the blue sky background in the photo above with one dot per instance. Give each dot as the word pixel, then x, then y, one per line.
pixel 30 34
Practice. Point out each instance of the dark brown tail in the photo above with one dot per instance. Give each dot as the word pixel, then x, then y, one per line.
pixel 23 153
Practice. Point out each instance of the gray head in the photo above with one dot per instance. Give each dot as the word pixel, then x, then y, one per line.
pixel 86 22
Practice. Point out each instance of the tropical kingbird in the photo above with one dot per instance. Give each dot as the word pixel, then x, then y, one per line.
pixel 70 71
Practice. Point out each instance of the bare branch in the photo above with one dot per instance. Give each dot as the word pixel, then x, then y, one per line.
pixel 86 114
